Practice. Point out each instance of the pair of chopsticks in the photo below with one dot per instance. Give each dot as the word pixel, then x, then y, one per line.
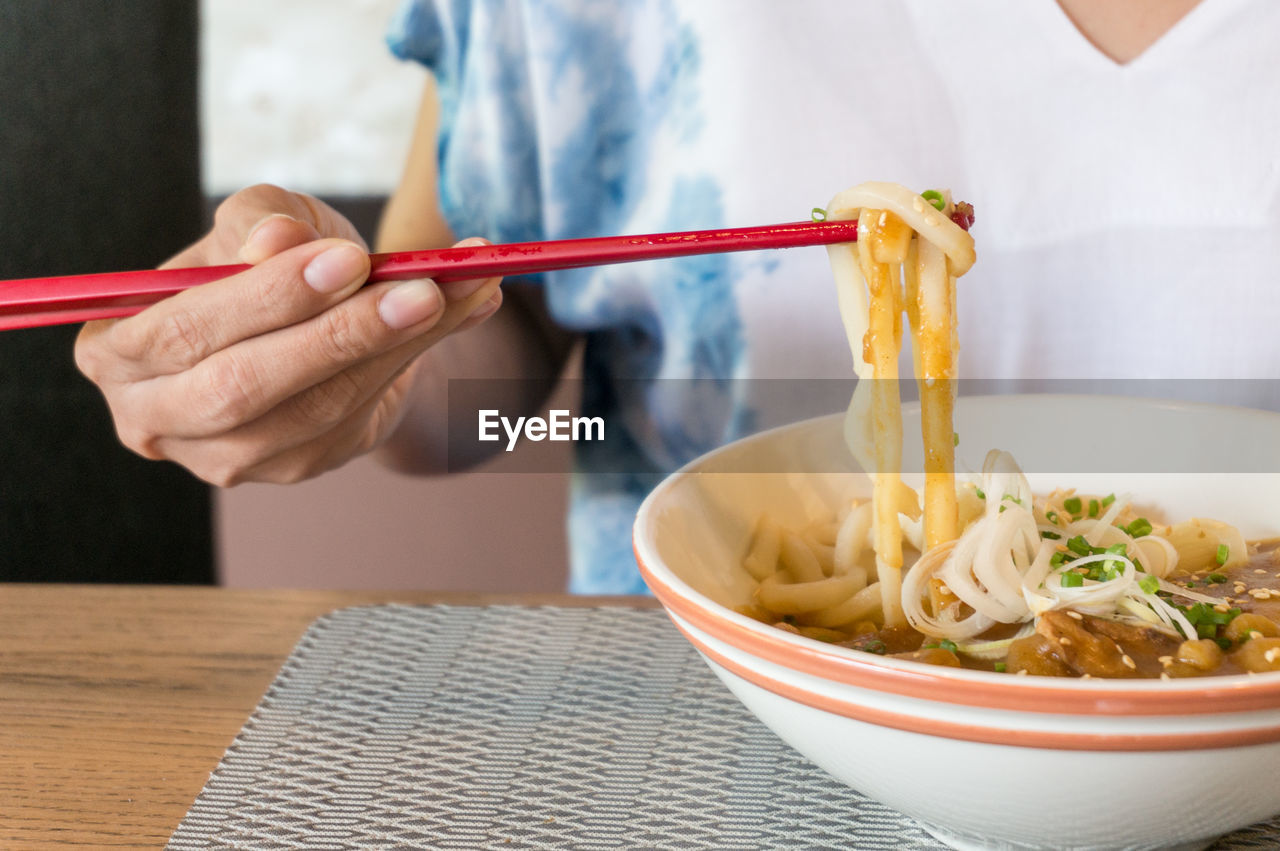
pixel 32 302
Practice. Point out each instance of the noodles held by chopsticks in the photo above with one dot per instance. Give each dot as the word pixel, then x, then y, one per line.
pixel 909 252
pixel 907 258
pixel 995 572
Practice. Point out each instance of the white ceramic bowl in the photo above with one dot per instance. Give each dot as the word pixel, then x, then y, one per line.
pixel 990 760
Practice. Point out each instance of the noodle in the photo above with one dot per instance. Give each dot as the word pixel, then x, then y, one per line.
pixel 907 257
pixel 1064 585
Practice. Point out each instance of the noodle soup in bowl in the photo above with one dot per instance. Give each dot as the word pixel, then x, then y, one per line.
pixel 986 759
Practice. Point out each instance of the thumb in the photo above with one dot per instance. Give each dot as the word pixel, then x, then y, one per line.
pixel 262 221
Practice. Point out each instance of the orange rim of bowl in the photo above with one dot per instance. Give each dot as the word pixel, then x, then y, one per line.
pixel 916 680
pixel 990 735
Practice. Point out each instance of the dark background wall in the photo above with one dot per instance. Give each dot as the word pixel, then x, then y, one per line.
pixel 99 169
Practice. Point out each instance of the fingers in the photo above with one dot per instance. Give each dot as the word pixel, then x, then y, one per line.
pixel 264 220
pixel 241 457
pixel 261 221
pixel 182 332
pixel 295 369
pixel 300 436
pixel 275 234
pixel 317 429
pixel 281 371
pixel 324 404
pixel 302 282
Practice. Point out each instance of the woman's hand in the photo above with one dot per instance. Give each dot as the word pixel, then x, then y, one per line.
pixel 283 371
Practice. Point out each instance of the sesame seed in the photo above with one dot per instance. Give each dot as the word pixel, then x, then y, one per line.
pixel 1166 660
pixel 1076 615
pixel 1253 633
pixel 1129 663
pixel 1271 654
pixel 1022 672
pixel 1260 570
pixel 943 589
pixel 1260 594
pixel 1086 676
pixel 1164 676
pixel 1064 641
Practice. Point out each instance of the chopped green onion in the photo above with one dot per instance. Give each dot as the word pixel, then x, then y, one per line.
pixel 1139 528
pixel 947 644
pixel 1213 579
pixel 980 494
pixel 1079 546
pixel 1052 536
pixel 1111 569
pixel 1224 643
pixel 1071 579
pixel 955 438
pixel 818 214
pixel 1206 619
pixel 1052 517
pixel 1192 583
pixel 934 197
pixel 1057 559
pixel 1000 667
pixel 1093 508
pixel 1072 504
pixel 1224 553
pixel 1149 584
pixel 1097 571
pixel 1108 499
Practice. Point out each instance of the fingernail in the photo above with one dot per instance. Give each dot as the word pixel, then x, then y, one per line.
pixel 409 303
pixel 490 306
pixel 258 231
pixel 461 289
pixel 336 268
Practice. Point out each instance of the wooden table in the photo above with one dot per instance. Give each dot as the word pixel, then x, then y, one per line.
pixel 116 702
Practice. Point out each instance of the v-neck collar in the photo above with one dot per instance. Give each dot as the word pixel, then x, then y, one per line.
pixel 1058 26
pixel 1043 114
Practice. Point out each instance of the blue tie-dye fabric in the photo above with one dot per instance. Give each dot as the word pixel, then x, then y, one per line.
pixel 548 127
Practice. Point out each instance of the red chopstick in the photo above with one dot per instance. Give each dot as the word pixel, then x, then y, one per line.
pixel 32 302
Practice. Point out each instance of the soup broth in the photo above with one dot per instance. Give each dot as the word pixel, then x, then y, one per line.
pixel 1239 634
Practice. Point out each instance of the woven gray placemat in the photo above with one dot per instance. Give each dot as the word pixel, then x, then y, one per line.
pixel 508 727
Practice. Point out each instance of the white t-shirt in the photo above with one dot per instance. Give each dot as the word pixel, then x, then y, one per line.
pixel 1127 221
pixel 1126 215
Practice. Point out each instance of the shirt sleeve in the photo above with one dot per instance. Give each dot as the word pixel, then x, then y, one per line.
pixel 488 149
